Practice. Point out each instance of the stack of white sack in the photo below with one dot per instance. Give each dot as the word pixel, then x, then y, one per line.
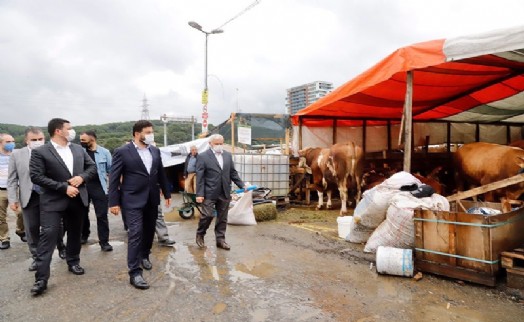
pixel 371 210
pixel 398 229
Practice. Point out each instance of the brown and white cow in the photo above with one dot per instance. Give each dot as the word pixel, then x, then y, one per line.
pixel 340 167
pixel 346 163
pixel 314 160
pixel 481 163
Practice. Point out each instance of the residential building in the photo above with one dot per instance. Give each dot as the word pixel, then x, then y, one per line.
pixel 301 96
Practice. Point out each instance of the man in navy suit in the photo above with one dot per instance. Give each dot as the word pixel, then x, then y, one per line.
pixel 214 172
pixel 60 168
pixel 136 178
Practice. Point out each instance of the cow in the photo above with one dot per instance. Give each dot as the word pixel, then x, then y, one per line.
pixel 481 163
pixel 340 167
pixel 314 160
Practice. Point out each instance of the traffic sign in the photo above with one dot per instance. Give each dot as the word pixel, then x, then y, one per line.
pixel 204 123
pixel 204 115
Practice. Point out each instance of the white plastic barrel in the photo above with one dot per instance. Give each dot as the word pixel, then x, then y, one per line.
pixel 344 226
pixel 395 261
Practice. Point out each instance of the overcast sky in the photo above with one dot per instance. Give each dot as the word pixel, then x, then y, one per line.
pixel 91 62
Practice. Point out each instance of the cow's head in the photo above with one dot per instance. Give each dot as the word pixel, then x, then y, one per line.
pixel 302 163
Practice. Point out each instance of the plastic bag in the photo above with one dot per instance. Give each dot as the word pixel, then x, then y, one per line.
pixel 242 212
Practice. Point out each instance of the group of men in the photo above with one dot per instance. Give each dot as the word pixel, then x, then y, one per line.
pixel 52 185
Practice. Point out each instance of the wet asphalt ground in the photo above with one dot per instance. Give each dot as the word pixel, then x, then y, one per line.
pixel 274 272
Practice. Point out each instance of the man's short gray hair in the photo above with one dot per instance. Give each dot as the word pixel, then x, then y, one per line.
pixel 215 137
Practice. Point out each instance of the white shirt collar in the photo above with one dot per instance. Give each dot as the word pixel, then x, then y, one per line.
pixel 58 146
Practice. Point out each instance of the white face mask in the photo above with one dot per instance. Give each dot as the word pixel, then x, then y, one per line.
pixel 149 138
pixel 35 144
pixel 72 135
pixel 218 148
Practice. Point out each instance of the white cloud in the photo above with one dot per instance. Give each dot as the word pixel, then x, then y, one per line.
pixel 92 61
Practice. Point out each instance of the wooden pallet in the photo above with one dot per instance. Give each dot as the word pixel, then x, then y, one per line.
pixel 513 259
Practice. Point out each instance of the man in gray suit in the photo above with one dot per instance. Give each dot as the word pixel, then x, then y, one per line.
pixel 61 169
pixel 214 172
pixel 22 193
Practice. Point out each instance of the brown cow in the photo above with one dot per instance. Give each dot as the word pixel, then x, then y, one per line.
pixel 339 166
pixel 481 163
pixel 314 160
pixel 346 164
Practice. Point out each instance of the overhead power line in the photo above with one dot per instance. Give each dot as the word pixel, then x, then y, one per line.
pixel 239 14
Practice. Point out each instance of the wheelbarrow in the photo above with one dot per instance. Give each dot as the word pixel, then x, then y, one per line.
pixel 188 205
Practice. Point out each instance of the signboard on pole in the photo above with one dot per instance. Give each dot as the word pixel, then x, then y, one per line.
pixel 204 97
pixel 244 135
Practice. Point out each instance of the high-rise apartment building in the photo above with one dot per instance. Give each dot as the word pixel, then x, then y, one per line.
pixel 301 96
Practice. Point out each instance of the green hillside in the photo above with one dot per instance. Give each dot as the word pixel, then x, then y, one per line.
pixel 113 135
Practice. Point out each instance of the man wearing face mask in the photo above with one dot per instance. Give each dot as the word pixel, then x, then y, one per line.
pixel 136 178
pixel 214 172
pixel 22 193
pixel 97 189
pixel 61 169
pixel 7 145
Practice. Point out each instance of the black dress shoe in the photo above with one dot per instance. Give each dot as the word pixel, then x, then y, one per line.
pixel 167 242
pixel 200 241
pixel 22 237
pixel 5 244
pixel 139 282
pixel 223 245
pixel 39 287
pixel 76 269
pixel 62 253
pixel 146 264
pixel 106 247
pixel 32 267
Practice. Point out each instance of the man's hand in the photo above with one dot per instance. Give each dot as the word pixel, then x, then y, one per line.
pixel 168 202
pixel 15 206
pixel 114 210
pixel 199 199
pixel 76 181
pixel 72 191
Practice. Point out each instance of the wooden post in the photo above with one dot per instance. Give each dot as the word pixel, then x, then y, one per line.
pixel 448 127
pixel 300 133
pixel 477 132
pixel 508 134
pixel 334 138
pixel 364 132
pixel 389 135
pixel 286 149
pixel 408 121
pixel 232 132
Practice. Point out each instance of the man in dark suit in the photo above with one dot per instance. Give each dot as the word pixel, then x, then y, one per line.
pixel 214 172
pixel 60 169
pixel 136 178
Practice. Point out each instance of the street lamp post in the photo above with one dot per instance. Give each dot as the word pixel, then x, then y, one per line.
pixel 205 92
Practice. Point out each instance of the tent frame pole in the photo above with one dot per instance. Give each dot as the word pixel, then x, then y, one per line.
pixel 408 121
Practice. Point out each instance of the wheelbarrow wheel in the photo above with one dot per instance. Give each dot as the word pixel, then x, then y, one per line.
pixel 186 213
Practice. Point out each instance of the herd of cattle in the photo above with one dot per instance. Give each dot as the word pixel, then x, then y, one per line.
pixel 342 167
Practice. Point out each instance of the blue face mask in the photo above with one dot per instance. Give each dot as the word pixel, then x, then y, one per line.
pixel 9 147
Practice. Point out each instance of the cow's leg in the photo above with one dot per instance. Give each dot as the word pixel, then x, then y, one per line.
pixel 320 199
pixel 328 204
pixel 343 189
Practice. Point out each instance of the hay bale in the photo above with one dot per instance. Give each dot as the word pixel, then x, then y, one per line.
pixel 265 212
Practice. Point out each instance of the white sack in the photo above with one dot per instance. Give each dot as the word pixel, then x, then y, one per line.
pixel 242 212
pixel 371 210
pixel 398 229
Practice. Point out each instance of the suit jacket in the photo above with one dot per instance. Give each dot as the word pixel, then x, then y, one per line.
pixel 19 185
pixel 212 181
pixel 48 170
pixel 130 185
